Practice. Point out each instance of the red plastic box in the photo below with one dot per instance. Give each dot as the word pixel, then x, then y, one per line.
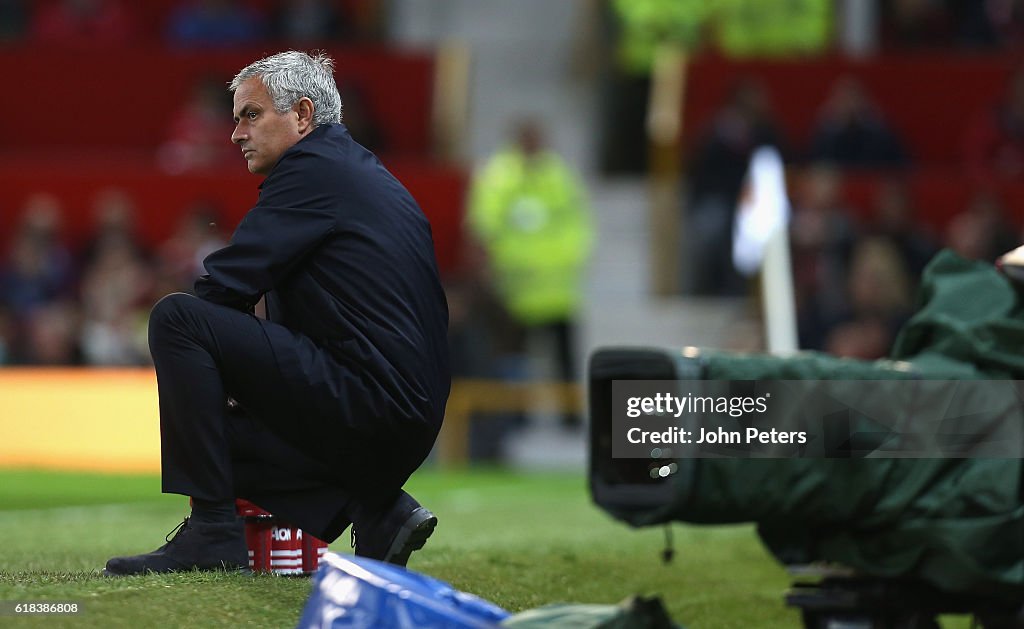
pixel 276 546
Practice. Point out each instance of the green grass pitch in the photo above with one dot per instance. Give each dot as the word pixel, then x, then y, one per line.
pixel 519 540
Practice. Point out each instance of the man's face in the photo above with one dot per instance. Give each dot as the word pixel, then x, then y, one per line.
pixel 262 133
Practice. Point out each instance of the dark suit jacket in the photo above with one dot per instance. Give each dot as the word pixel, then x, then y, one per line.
pixel 345 258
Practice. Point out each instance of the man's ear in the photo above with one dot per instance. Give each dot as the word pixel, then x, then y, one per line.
pixel 304 109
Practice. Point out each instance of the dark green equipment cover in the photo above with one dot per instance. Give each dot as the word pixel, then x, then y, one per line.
pixel 955 523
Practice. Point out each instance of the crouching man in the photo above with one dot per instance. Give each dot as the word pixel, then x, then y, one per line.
pixel 320 412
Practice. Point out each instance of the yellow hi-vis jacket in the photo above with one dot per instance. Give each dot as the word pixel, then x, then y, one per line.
pixel 647 24
pixel 774 28
pixel 532 219
pixel 741 28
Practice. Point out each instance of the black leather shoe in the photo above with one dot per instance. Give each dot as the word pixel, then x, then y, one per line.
pixel 195 546
pixel 396 533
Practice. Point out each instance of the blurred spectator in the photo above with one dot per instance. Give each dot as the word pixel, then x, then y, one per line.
pixel 716 174
pixel 822 239
pixel 530 214
pixel 83 23
pixel 199 134
pixel 879 297
pixel 359 118
pixel 13 23
pixel 988 23
pixel 981 231
pixel 180 257
pixel 38 318
pixel 198 23
pixel 51 335
pixel 994 140
pixel 307 22
pixel 894 220
pixel 38 268
pixel 116 284
pixel 113 214
pixel 852 133
pixel 911 24
pixel 115 291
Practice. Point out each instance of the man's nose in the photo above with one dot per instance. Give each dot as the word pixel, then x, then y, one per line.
pixel 237 136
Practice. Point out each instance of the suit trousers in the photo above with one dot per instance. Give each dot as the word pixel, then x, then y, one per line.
pixel 281 442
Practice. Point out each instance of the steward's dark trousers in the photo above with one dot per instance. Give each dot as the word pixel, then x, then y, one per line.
pixel 287 446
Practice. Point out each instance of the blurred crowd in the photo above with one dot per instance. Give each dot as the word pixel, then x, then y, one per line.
pixel 860 233
pixel 855 269
pixel 69 300
pixel 187 23
pixel 90 305
pixel 945 24
pixel 195 137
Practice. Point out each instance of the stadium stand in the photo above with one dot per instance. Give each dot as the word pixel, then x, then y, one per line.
pixel 929 99
pixel 93 134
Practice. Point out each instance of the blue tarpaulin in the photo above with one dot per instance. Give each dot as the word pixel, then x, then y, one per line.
pixel 357 593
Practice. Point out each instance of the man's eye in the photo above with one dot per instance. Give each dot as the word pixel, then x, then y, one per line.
pixel 252 115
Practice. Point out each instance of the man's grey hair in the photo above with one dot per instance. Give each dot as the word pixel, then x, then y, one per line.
pixel 289 76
